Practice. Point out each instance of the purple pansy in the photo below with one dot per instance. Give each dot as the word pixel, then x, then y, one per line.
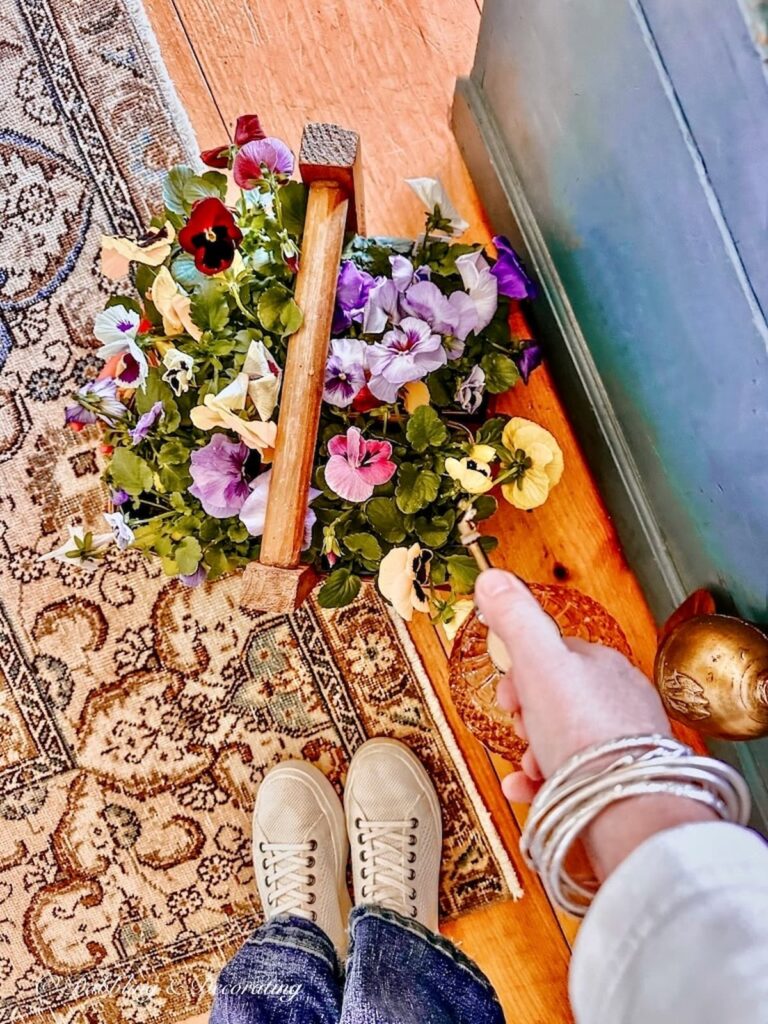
pixel 469 393
pixel 352 290
pixel 218 473
pixel 408 352
pixel 527 357
pixel 146 421
pixel 254 510
pixel 255 157
pixel 196 578
pixel 344 372
pixel 96 400
pixel 510 273
pixel 119 497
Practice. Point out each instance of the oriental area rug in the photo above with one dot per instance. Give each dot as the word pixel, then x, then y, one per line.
pixel 137 716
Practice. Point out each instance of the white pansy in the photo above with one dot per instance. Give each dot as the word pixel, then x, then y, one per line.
pixel 84 555
pixel 179 371
pixel 432 193
pixel 482 286
pixel 264 376
pixel 121 531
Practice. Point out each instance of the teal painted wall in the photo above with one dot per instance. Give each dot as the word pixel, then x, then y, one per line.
pixel 639 131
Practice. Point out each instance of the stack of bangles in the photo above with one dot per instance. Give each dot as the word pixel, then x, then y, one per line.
pixel 609 772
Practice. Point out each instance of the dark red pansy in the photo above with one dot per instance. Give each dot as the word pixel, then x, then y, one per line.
pixel 364 401
pixel 247 129
pixel 218 157
pixel 211 235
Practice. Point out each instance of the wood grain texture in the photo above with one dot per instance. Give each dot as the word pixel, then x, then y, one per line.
pixel 387 68
pixel 302 388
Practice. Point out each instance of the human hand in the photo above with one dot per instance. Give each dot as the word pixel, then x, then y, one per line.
pixel 566 695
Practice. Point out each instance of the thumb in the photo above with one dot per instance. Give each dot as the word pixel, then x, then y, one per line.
pixel 513 613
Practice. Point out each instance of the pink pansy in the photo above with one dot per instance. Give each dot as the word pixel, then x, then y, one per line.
pixel 259 155
pixel 356 465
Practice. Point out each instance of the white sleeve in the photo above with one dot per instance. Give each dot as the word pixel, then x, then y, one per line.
pixel 678 934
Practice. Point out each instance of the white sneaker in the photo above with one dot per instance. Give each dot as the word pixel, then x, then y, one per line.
pixel 393 821
pixel 300 849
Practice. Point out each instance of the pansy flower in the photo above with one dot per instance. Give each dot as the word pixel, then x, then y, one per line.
pixel 211 236
pixel 438 205
pixel 82 548
pixel 481 286
pixel 96 400
pixel 145 423
pixel 253 513
pixel 264 377
pixel 408 352
pixel 152 249
pixel 352 290
pixel 527 356
pixel 116 328
pixel 473 473
pixel 269 154
pixel 218 475
pixel 404 579
pixel 344 371
pixel 247 128
pixel 121 531
pixel 469 393
pixel 357 465
pixel 179 371
pixel 533 465
pixel 510 273
pixel 221 411
pixel 174 305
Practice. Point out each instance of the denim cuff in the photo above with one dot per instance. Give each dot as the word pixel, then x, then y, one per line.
pixel 296 933
pixel 415 928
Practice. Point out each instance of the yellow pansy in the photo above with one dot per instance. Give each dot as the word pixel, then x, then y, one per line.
pixel 403 579
pixel 536 462
pixel 173 305
pixel 221 411
pixel 416 393
pixel 473 473
pixel 152 249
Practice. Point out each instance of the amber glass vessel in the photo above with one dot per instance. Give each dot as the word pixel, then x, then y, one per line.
pixel 473 676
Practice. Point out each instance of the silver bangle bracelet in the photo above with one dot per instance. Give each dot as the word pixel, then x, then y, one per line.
pixel 604 774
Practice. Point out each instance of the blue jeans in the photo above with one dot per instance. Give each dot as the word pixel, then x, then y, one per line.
pixel 397 972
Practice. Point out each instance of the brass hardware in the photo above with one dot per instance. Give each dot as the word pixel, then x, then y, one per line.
pixel 712 674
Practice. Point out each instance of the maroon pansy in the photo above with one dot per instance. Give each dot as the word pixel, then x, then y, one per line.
pixel 211 235
pixel 247 129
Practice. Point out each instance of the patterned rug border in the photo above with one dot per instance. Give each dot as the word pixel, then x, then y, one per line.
pixel 436 709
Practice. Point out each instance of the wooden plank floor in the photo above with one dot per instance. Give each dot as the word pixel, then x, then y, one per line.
pixel 387 68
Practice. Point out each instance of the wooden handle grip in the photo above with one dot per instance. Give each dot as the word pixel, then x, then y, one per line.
pixel 303 380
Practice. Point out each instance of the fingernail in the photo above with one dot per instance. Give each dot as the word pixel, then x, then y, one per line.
pixel 494 582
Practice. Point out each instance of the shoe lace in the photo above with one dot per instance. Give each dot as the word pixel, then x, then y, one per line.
pixel 288 879
pixel 386 853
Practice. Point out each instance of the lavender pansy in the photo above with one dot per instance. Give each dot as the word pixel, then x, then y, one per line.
pixel 345 371
pixel 218 474
pixel 469 393
pixel 254 510
pixel 481 285
pixel 352 290
pixel 510 273
pixel 196 578
pixel 261 155
pixel 96 400
pixel 119 497
pixel 408 352
pixel 145 422
pixel 121 531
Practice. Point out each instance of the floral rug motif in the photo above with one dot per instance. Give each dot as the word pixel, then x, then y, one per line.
pixel 137 716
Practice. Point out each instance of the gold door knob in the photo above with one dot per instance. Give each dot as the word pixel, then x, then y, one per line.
pixel 712 674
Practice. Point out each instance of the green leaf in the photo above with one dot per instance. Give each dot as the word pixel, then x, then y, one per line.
pixel 173 453
pixel 491 430
pixel 501 374
pixel 217 562
pixel 187 555
pixel 238 532
pixel 175 182
pixel 292 206
pixel 209 306
pixel 212 183
pixel 184 271
pixel 277 311
pixel 386 519
pixel 363 544
pixel 425 429
pixel 125 301
pixel 463 571
pixel 439 384
pixel 435 531
pixel 485 507
pixel 341 588
pixel 416 488
pixel 129 472
pixel 174 478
